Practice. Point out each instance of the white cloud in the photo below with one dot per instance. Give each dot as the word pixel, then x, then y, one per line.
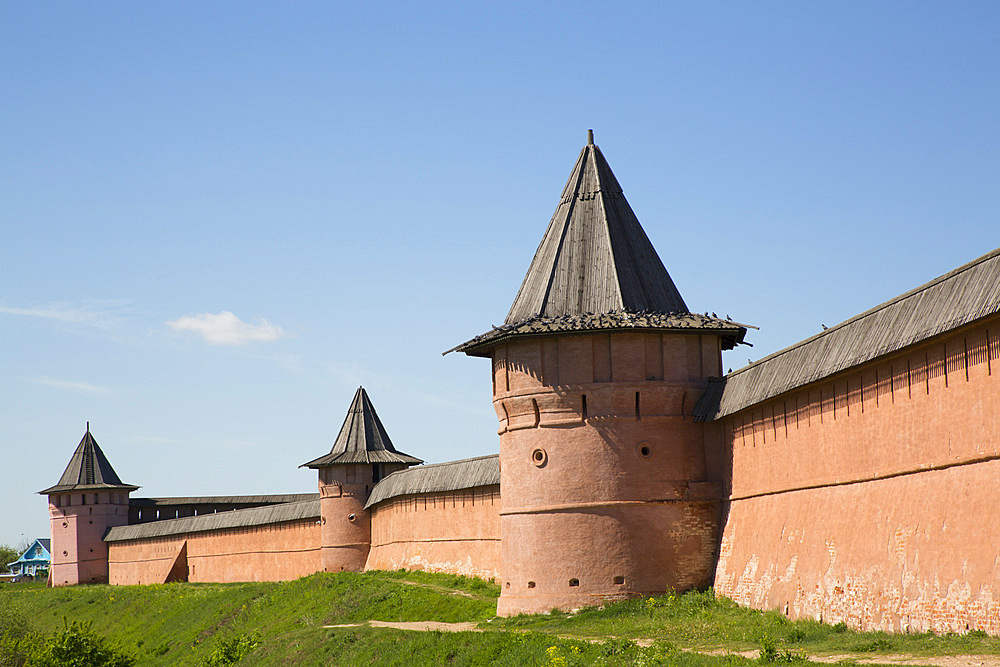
pixel 70 385
pixel 99 314
pixel 226 329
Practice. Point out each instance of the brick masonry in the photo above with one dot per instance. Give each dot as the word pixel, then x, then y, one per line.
pixel 454 531
pixel 606 490
pixel 868 498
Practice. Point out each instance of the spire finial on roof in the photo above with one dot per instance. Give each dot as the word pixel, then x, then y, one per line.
pixel 89 468
pixel 590 137
pixel 362 439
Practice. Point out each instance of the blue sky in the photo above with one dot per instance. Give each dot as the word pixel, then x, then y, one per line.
pixel 218 220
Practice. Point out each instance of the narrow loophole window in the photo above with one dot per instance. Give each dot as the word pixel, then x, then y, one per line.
pixel 531 584
pixel 574 582
pixel 619 581
pixel 583 405
pixel 638 415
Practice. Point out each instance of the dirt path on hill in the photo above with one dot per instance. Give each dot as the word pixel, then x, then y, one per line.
pixel 859 658
pixel 441 589
pixel 418 626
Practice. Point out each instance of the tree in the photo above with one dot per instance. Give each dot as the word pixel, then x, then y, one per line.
pixel 8 554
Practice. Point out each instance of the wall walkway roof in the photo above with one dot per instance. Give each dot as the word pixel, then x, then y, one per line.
pixel 438 477
pixel 969 293
pixel 245 518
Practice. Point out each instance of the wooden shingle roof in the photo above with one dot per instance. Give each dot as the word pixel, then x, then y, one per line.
pixel 437 477
pixel 596 269
pixel 969 293
pixel 362 439
pixel 245 518
pixel 88 469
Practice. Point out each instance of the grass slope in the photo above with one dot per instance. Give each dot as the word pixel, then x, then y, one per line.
pixel 189 623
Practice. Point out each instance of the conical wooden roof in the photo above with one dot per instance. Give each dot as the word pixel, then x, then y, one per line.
pixel 89 468
pixel 595 257
pixel 362 439
pixel 595 269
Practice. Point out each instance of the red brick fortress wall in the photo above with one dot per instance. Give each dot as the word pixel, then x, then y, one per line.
pixel 271 552
pixel 448 531
pixel 869 497
pixel 607 490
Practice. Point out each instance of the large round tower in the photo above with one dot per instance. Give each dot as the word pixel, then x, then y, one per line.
pixel 87 501
pixel 361 455
pixel 607 487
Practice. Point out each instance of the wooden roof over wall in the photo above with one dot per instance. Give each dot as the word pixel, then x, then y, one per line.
pixel 245 518
pixel 438 477
pixel 969 293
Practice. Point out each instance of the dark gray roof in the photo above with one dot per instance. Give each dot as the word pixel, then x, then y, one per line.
pixel 46 542
pixel 268 499
pixel 255 516
pixel 362 439
pixel 450 476
pixel 969 293
pixel 88 469
pixel 594 267
pixel 732 333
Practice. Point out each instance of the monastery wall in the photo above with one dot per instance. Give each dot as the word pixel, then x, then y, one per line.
pixel 869 497
pixel 447 531
pixel 271 552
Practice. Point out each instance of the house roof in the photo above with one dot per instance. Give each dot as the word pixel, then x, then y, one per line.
pixel 450 476
pixel 594 268
pixel 26 556
pixel 254 516
pixel 969 293
pixel 362 439
pixel 88 468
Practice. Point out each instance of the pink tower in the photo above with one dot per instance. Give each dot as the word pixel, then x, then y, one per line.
pixel 610 488
pixel 88 500
pixel 361 455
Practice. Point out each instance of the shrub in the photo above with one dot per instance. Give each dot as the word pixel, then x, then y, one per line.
pixel 231 651
pixel 77 645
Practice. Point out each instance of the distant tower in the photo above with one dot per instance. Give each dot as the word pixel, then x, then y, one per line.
pixel 88 500
pixel 361 456
pixel 608 488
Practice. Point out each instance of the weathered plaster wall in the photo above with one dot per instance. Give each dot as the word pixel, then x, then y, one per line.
pixel 273 552
pixel 453 531
pixel 608 491
pixel 869 497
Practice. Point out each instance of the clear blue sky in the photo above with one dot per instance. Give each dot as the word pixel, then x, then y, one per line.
pixel 219 219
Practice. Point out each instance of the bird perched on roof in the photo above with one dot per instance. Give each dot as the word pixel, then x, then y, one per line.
pixel 714 315
pixel 729 318
pixel 824 326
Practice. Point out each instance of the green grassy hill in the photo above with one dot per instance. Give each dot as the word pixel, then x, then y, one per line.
pixel 283 623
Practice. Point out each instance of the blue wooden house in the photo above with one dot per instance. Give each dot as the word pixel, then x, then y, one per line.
pixel 36 557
